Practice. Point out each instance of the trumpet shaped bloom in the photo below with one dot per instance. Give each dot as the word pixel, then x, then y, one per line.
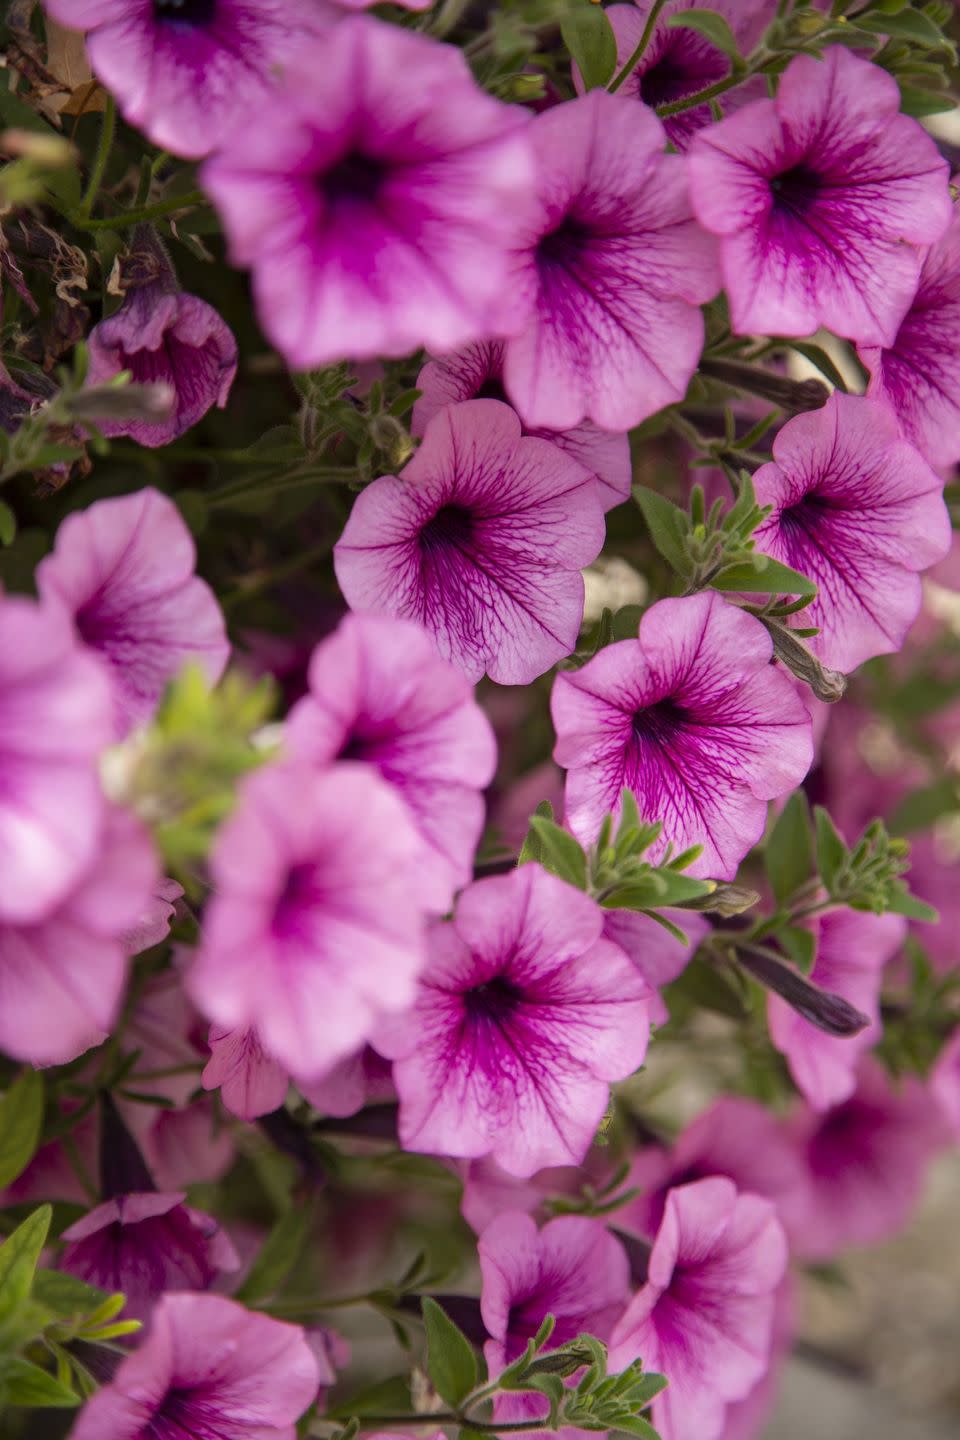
pixel 380 694
pixel 482 539
pixel 523 1017
pixel 378 209
pixel 705 1316
pixel 612 267
pixel 691 717
pixel 250 1082
pixel 820 198
pixel 859 511
pixel 314 931
pixel 124 569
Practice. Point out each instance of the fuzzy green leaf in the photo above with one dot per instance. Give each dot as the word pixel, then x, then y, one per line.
pixel 451 1359
pixel 21 1120
pixel 588 35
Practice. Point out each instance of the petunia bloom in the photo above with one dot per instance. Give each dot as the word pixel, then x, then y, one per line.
pixel 917 371
pixel 162 334
pixel 250 1082
pixel 692 718
pixel 476 372
pixel 380 694
pixel 124 569
pixel 362 1079
pixel 852 949
pixel 860 512
pixel 187 71
pixel 54 722
pixel 208 1367
pixel 314 931
pixel 482 539
pixel 945 1083
pixel 144 1244
pixel 658 956
pixel 705 1316
pixel 378 209
pixel 62 975
pixel 523 1018
pixel 613 268
pixel 814 194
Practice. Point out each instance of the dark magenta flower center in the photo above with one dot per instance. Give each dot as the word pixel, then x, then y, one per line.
pixel 450 528
pixel 565 246
pixel 492 389
pixel 187 1415
pixel 355 178
pixel 494 1001
pixel 299 897
pixel 796 190
pixel 682 69
pixel 660 723
pixel 188 12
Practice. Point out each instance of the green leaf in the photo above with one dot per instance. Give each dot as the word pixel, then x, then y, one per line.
pixel 451 1359
pixel 923 808
pixel 27 1384
pixel 668 526
pixel 789 851
pixel 278 1255
pixel 68 1297
pixel 763 575
pixel 924 102
pixel 910 25
pixel 636 1425
pixel 560 852
pixel 532 848
pixel 553 1388
pixel 901 902
pixel 831 850
pixel 21 1120
pixel 648 1389
pixel 800 945
pixel 713 27
pixel 819 358
pixel 18 1259
pixel 588 35
pixel 8 524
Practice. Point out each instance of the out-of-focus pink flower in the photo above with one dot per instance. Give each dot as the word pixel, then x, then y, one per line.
pixel 692 718
pixel 945 1083
pixel 705 1316
pixel 250 1082
pixel 187 71
pixel 144 1244
pixel 859 511
pixel 153 924
pixel 54 722
pixel 747 1418
pixel 379 208
pixel 820 198
pixel 613 269
pixel 488 1191
pixel 380 694
pixel 207 1367
pixel 124 569
pixel 482 539
pixel 314 931
pixel 62 976
pixel 476 373
pixel 523 1018
pixel 362 1079
pixel 658 956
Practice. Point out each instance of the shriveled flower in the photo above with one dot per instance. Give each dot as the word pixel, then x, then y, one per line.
pixel 613 267
pixel 160 333
pixel 820 198
pixel 859 511
pixel 917 371
pixel 187 71
pixel 852 949
pixel 144 1244
pixel 691 717
pixel 55 718
pixel 314 930
pixel 208 1367
pixel 377 210
pixel 476 372
pixel 250 1082
pixel 62 975
pixel 705 1316
pixel 482 539
pixel 380 694
pixel 124 569
pixel 523 1018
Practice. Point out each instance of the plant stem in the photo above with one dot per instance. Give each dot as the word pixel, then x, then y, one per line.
pixel 702 97
pixel 101 159
pixel 190 201
pixel 294 480
pixel 642 44
pixel 450 1417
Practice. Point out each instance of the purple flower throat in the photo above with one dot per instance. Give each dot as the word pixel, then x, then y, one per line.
pixel 356 179
pixel 186 12
pixel 796 190
pixel 494 1001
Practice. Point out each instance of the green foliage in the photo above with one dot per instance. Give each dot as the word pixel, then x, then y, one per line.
pixel 588 36
pixel 21 1120
pixel 277 1256
pixel 714 27
pixel 788 854
pixel 451 1359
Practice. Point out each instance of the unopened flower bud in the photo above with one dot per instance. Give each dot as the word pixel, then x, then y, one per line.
pixel 830 1013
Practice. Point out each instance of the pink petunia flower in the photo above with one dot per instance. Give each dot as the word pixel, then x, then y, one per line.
pixel 859 511
pixel 380 694
pixel 705 1316
pixel 691 717
pixel 945 1083
pixel 153 923
pixel 314 931
pixel 813 195
pixel 572 1269
pixel 379 208
pixel 917 372
pixel 482 539
pixel 124 569
pixel 62 976
pixel 187 71
pixel 613 267
pixel 250 1082
pixel 207 1367
pixel 524 1016
pixel 362 1079
pixel 143 1244
pixel 476 372
pixel 658 956
pixel 852 949
pixel 54 722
